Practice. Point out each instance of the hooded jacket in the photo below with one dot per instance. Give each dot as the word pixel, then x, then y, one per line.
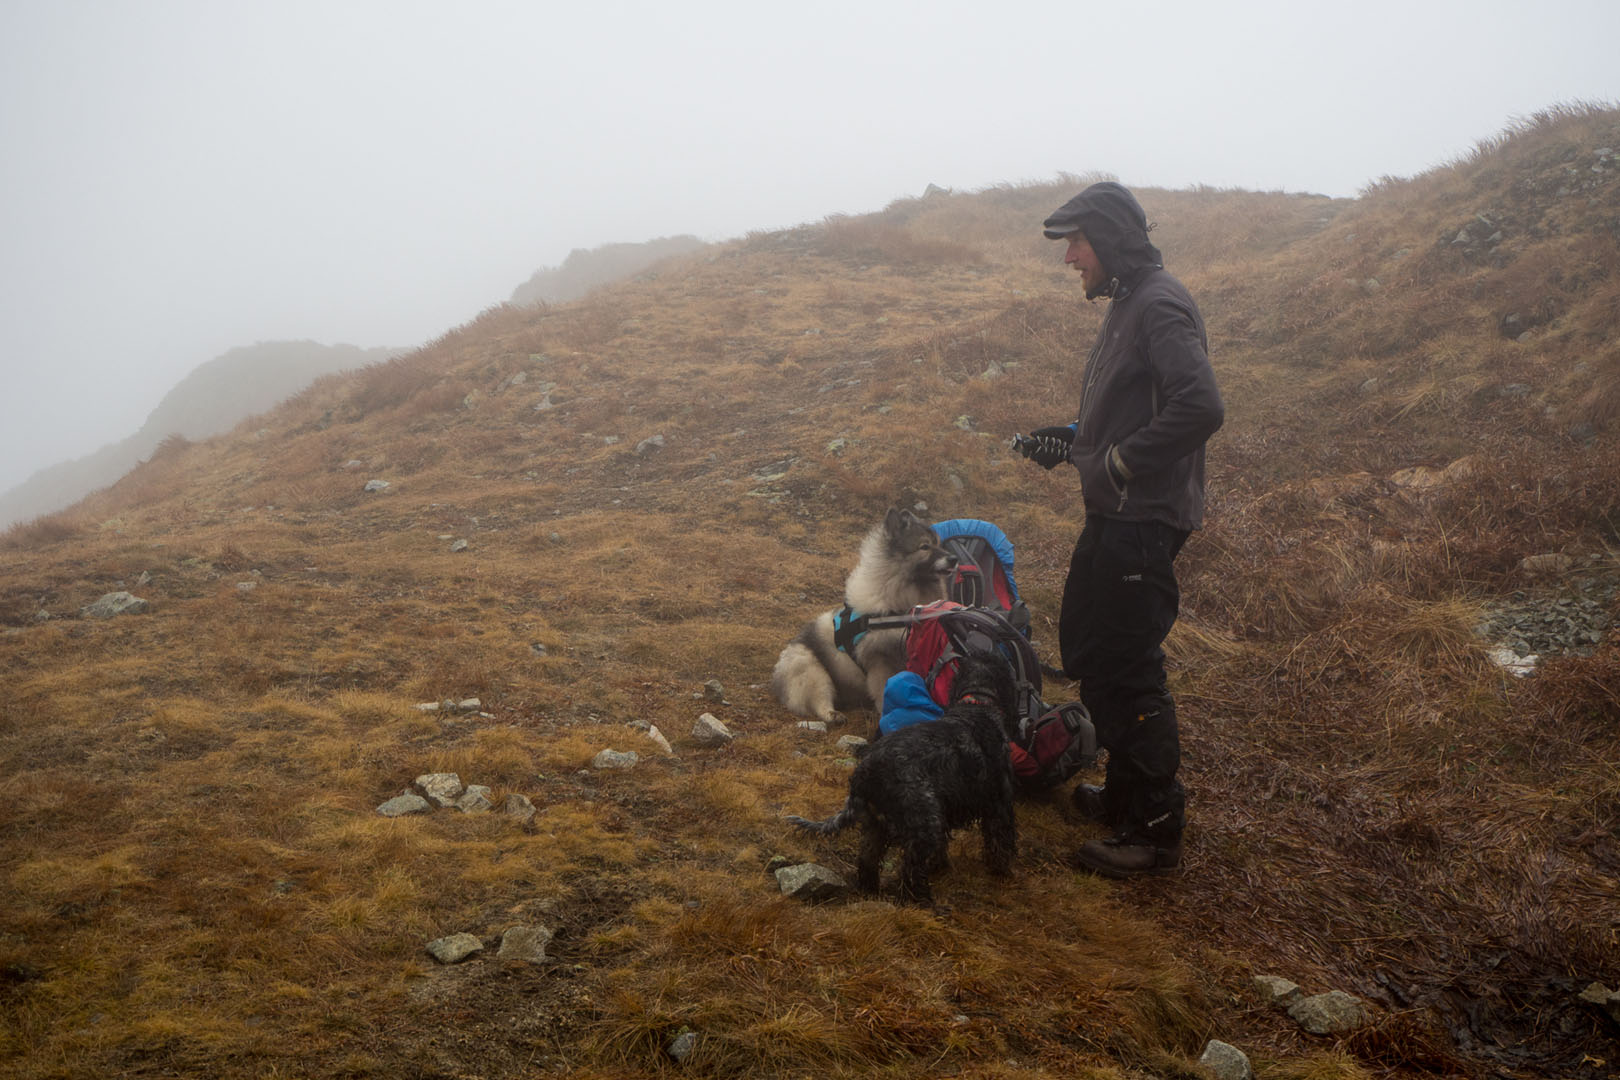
pixel 1148 395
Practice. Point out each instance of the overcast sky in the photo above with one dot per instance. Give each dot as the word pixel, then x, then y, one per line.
pixel 178 178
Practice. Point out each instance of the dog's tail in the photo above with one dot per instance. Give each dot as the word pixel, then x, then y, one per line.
pixel 837 823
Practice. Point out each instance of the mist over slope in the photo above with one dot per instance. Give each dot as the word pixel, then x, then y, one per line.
pixel 214 398
pixel 581 513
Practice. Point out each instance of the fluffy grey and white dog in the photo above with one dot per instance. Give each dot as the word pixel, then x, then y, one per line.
pixel 901 565
pixel 914 786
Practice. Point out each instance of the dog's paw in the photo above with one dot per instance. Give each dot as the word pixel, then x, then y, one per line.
pixel 835 719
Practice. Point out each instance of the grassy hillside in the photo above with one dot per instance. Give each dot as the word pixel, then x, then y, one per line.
pixel 199 883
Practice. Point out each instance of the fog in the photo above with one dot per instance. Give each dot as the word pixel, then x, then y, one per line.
pixel 179 178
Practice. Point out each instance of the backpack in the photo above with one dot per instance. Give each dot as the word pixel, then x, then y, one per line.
pixel 1051 744
pixel 983 577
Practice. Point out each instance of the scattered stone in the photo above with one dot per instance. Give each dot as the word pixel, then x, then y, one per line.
pixel 1277 991
pixel 1332 1013
pixel 810 882
pixel 1551 563
pixel 649 444
pixel 837 446
pixel 850 743
pixel 440 788
pixel 1512 663
pixel 711 732
pixel 777 862
pixel 613 759
pixel 459 545
pixel 714 691
pixel 115 603
pixel 1604 998
pixel 519 806
pixel 354 463
pixel 526 943
pixel 813 726
pixel 681 1046
pixel 376 485
pixel 1226 1062
pixel 246 586
pixel 471 704
pixel 455 948
pixel 659 741
pixel 408 803
pixel 475 800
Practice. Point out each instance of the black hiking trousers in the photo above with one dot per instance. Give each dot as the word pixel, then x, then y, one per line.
pixel 1119 602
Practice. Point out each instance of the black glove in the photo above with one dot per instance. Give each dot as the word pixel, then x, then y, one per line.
pixel 1047 447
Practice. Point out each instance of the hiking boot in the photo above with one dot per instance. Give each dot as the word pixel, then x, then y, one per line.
pixel 1096 804
pixel 1125 857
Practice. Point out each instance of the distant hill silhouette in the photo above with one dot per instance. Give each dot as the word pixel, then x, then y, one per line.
pixel 584 270
pixel 214 398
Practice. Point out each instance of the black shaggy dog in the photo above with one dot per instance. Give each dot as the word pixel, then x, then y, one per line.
pixel 914 786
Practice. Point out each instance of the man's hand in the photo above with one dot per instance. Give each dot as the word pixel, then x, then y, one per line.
pixel 1047 447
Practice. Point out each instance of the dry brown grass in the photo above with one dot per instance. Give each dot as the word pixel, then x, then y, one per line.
pixel 198 883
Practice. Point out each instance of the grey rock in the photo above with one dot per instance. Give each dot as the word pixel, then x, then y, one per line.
pixel 459 545
pixel 1332 1013
pixel 1226 1062
pixel 658 740
pixel 475 800
pixel 408 803
pixel 1554 562
pixel 711 732
pixel 115 603
pixel 850 743
pixel 810 882
pixel 376 485
pixel 649 444
pixel 455 948
pixel 527 943
pixel 1277 991
pixel 471 704
pixel 1604 998
pixel 681 1046
pixel 814 727
pixel 519 806
pixel 440 788
pixel 613 759
pixel 714 691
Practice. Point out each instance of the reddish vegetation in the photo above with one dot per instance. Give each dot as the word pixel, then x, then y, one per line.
pixel 199 885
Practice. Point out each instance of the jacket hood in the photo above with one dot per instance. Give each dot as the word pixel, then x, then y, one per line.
pixel 1117 229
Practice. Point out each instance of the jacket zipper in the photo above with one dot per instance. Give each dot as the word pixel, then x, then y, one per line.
pixel 1092 372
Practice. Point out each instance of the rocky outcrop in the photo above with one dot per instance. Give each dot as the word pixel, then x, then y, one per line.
pixel 585 270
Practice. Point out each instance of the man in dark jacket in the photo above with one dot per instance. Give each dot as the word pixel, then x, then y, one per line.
pixel 1148 403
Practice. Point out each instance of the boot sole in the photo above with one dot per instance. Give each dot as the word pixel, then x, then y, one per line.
pixel 1108 870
